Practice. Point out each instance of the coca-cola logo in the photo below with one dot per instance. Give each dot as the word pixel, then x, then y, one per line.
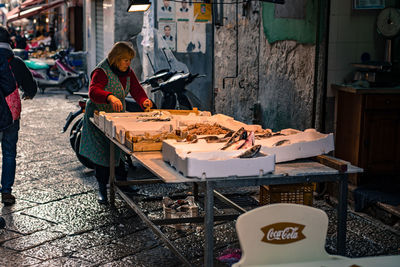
pixel 283 233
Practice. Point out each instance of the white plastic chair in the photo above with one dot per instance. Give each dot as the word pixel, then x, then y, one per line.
pixel 282 233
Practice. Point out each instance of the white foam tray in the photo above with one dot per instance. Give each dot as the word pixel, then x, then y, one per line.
pixel 192 162
pixel 305 144
pixel 203 155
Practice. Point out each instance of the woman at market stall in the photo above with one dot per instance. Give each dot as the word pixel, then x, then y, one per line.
pixel 111 81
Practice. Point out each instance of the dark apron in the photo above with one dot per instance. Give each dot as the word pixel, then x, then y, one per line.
pixel 94 145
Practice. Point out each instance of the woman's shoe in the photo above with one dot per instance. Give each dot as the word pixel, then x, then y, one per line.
pixel 103 199
pixel 7 199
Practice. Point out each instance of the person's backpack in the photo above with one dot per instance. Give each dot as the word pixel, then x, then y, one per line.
pixel 6 89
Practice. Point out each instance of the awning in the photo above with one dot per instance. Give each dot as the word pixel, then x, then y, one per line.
pixel 28 3
pixel 23 6
pixel 31 9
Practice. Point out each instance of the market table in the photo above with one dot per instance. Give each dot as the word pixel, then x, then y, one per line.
pixel 302 171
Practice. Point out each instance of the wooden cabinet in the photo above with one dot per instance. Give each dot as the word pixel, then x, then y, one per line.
pixel 368 132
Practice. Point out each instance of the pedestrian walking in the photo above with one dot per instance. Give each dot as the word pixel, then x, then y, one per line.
pixel 21 41
pixel 111 81
pixel 14 75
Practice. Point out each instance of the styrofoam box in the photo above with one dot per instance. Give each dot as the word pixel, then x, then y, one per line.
pixel 192 162
pixel 302 145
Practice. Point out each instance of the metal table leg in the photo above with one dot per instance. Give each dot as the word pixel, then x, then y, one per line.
pixel 342 215
pixel 153 227
pixel 196 191
pixel 209 225
pixel 112 173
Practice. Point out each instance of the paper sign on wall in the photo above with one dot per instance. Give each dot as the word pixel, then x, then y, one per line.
pixel 165 10
pixel 184 11
pixel 191 37
pixel 167 32
pixel 202 12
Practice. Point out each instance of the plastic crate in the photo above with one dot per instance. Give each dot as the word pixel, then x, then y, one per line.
pixel 169 213
pixel 293 193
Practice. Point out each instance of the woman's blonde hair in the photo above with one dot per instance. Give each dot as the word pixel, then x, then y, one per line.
pixel 121 50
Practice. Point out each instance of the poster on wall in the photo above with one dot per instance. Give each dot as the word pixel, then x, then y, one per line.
pixel 167 32
pixel 191 37
pixel 184 11
pixel 202 12
pixel 165 10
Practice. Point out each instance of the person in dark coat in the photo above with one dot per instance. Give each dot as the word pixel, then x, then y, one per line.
pixel 10 109
pixel 21 40
pixel 53 44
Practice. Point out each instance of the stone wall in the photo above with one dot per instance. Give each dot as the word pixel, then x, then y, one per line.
pixel 286 84
pixel 236 64
pixel 127 26
pixel 278 76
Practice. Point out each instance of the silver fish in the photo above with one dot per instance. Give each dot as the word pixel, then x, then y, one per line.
pixel 236 136
pixel 155 119
pixel 251 152
pixel 229 134
pixel 211 139
pixel 266 134
pixel 249 141
pixel 281 142
pixel 237 145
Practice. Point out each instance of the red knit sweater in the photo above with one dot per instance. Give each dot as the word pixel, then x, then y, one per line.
pixel 99 81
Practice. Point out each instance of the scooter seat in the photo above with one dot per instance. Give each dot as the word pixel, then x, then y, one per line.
pixel 36 65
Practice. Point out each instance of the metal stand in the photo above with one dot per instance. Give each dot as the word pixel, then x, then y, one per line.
pixel 290 173
pixel 112 173
pixel 342 215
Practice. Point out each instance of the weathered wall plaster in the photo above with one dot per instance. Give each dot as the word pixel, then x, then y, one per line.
pixel 127 26
pixel 286 84
pixel 279 76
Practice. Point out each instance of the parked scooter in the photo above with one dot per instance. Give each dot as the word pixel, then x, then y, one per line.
pixel 172 85
pixel 168 76
pixel 170 79
pixel 174 96
pixel 76 129
pixel 60 75
pixel 174 92
pixel 75 132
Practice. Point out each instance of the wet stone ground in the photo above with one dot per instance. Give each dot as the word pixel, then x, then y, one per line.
pixel 57 221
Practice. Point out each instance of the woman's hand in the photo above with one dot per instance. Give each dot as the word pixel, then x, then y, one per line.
pixel 115 103
pixel 147 104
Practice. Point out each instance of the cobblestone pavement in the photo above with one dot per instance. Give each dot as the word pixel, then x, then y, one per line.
pixel 58 222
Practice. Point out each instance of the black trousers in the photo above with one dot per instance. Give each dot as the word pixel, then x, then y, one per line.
pixel 103 173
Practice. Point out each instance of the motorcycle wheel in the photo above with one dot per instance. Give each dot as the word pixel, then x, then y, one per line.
pixel 72 86
pixel 85 161
pixel 76 128
pixel 168 102
pixel 184 102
